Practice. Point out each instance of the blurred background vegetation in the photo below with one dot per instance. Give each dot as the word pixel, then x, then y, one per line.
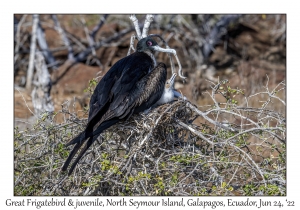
pixel 241 48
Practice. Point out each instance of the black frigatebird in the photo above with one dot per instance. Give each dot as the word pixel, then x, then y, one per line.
pixel 132 85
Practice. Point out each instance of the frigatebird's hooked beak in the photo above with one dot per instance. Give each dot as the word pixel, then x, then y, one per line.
pixel 168 50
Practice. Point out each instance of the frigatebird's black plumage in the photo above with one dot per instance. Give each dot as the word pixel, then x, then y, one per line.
pixel 132 85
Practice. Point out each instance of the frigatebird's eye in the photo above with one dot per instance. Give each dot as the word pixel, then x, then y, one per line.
pixel 149 43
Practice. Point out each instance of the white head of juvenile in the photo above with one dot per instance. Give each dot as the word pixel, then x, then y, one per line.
pixel 170 82
pixel 168 94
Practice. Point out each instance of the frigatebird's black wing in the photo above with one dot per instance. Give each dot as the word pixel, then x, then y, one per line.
pixel 117 95
pixel 99 99
pixel 118 80
pixel 127 100
pixel 136 96
pixel 107 89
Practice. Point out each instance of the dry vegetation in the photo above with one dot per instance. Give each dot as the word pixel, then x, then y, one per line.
pixel 228 138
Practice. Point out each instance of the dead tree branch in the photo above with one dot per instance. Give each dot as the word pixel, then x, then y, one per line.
pixel 41 98
pixel 35 20
pixel 136 26
pixel 18 37
pixel 44 47
pixel 98 26
pixel 64 38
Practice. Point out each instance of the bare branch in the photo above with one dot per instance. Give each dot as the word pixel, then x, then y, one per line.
pixel 98 26
pixel 41 98
pixel 17 38
pixel 91 41
pixel 136 26
pixel 35 20
pixel 149 19
pixel 64 38
pixel 131 47
pixel 44 47
pixel 82 55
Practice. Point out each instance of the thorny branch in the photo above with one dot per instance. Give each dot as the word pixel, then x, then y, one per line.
pixel 176 149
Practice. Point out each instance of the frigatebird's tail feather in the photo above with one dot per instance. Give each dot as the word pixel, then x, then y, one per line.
pixel 71 155
pixel 93 136
pixel 80 138
pixel 83 150
pixel 94 119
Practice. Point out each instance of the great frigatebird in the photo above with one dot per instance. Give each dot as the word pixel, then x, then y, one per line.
pixel 132 85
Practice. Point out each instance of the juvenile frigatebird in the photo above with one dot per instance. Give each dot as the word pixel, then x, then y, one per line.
pixel 132 85
pixel 169 92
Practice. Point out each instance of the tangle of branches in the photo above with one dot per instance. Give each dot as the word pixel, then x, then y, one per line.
pixel 175 149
